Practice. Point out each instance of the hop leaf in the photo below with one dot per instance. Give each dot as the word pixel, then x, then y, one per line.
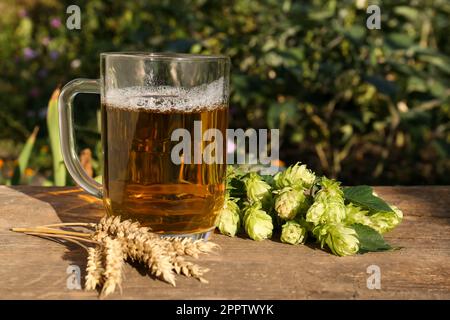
pixel 258 190
pixel 295 176
pixel 294 232
pixel 235 184
pixel 229 219
pixel 290 202
pixel 328 206
pixel 257 223
pixel 342 240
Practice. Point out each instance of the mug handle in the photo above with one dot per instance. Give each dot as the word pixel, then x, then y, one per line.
pixel 66 132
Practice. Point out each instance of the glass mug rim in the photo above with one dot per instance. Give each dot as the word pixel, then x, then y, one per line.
pixel 166 56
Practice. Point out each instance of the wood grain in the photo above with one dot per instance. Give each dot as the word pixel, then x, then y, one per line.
pixel 34 268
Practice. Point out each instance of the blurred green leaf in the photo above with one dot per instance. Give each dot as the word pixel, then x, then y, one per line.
pixel 281 114
pixel 59 169
pixel 24 158
pixel 408 12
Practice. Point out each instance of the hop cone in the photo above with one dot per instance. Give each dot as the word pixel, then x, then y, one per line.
pixel 328 206
pixel 380 221
pixel 386 221
pixel 229 219
pixel 294 232
pixel 257 223
pixel 290 202
pixel 258 190
pixel 295 176
pixel 341 240
pixel 356 214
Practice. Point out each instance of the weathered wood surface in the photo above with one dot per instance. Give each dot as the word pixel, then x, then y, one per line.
pixel 34 268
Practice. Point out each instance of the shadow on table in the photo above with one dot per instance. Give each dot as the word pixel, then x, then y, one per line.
pixel 68 205
pixel 276 238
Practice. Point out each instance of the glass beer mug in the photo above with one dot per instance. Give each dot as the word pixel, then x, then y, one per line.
pixel 145 98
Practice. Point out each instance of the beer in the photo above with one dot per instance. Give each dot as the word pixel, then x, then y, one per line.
pixel 141 180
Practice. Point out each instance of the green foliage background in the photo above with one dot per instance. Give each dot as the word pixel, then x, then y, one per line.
pixel 366 106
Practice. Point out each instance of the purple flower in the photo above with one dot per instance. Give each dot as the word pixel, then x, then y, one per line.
pixel 29 53
pixel 55 23
pixel 54 54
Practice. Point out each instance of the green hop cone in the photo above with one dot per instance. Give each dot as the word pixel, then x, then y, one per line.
pixel 386 221
pixel 258 190
pixel 342 240
pixel 296 175
pixel 328 206
pixel 257 223
pixel 294 232
pixel 290 202
pixel 382 222
pixel 229 220
pixel 356 214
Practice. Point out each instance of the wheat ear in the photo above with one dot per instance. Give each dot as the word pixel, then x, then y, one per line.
pixel 94 269
pixel 151 254
pixel 113 265
pixel 189 269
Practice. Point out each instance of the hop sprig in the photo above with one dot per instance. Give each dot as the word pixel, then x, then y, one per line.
pixel 290 203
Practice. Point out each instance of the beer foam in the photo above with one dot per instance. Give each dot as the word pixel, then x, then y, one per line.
pixel 168 98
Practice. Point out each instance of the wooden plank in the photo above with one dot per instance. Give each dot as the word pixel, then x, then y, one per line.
pixel 33 268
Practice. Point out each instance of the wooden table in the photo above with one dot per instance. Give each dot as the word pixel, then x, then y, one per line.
pixel 35 268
